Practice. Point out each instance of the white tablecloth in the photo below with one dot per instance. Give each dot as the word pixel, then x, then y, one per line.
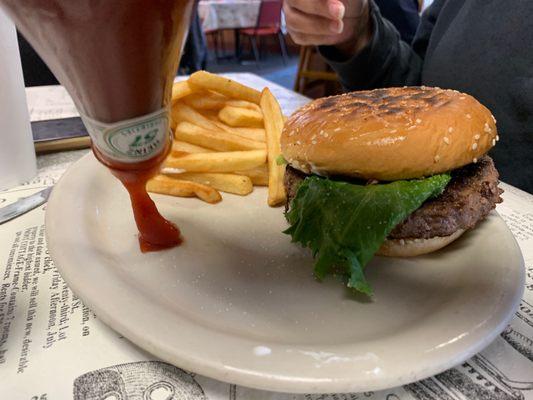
pixel 228 14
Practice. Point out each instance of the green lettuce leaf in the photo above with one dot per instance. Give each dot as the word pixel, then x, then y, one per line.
pixel 280 160
pixel 344 224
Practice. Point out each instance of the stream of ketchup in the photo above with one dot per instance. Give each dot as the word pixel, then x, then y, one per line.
pixel 155 232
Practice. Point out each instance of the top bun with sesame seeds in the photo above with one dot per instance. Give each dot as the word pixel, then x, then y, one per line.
pixel 388 134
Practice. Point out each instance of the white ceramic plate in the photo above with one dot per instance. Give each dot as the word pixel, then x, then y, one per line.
pixel 238 302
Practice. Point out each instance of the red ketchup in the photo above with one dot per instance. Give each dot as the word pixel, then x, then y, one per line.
pixel 117 59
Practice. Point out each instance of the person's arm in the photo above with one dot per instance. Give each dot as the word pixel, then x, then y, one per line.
pixel 386 60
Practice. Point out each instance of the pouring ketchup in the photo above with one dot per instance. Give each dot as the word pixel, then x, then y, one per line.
pixel 155 232
pixel 117 59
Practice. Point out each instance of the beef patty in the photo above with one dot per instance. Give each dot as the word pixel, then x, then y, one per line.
pixel 469 197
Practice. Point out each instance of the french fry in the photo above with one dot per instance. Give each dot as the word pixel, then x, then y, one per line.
pixel 226 138
pixel 237 116
pixel 206 100
pixel 225 86
pixel 175 187
pixel 273 127
pixel 218 162
pixel 229 183
pixel 258 175
pixel 257 134
pixel 243 104
pixel 182 112
pixel 211 115
pixel 181 148
pixel 215 140
pixel 180 90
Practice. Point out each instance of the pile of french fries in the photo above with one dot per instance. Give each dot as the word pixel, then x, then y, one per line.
pixel 226 139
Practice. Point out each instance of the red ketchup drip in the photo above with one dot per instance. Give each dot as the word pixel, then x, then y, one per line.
pixel 155 232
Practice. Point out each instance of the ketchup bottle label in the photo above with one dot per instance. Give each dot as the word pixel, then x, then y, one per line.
pixel 131 140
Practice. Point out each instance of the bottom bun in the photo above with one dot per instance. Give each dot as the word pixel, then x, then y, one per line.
pixel 416 247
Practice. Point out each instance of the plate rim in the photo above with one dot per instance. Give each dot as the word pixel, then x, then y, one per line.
pixel 249 378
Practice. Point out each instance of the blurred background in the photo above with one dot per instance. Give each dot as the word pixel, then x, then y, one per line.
pixel 250 36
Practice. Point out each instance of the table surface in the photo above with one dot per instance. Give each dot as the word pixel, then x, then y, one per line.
pixel 63 354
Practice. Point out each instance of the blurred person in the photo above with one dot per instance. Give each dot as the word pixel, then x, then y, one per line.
pixel 478 47
pixel 194 57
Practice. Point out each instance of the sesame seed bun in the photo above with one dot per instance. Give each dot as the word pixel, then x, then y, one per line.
pixel 388 134
pixel 416 247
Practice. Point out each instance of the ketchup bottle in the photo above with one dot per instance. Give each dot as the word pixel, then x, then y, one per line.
pixel 117 59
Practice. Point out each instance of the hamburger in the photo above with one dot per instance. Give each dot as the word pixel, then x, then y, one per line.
pixel 393 172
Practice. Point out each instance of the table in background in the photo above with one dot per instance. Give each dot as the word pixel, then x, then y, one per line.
pixel 219 15
pixel 228 14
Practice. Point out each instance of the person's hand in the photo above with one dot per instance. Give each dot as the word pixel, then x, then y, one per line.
pixel 341 23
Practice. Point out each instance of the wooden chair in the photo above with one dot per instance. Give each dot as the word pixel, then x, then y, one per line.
pixel 268 24
pixel 313 71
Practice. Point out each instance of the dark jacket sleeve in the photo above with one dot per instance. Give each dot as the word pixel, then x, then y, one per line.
pixel 387 60
pixel 403 14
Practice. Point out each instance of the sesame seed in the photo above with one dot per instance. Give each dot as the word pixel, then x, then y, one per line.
pixel 494 119
pixel 336 129
pixel 468 116
pixel 437 158
pixel 474 146
pixel 474 160
pixel 497 138
pixel 411 128
pixel 418 120
pixel 486 128
pixel 313 141
pixel 450 129
pixel 325 134
pixel 493 142
pixel 446 140
pixel 462 97
pixel 476 137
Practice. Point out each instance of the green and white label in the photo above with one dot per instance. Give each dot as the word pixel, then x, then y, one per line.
pixel 132 140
